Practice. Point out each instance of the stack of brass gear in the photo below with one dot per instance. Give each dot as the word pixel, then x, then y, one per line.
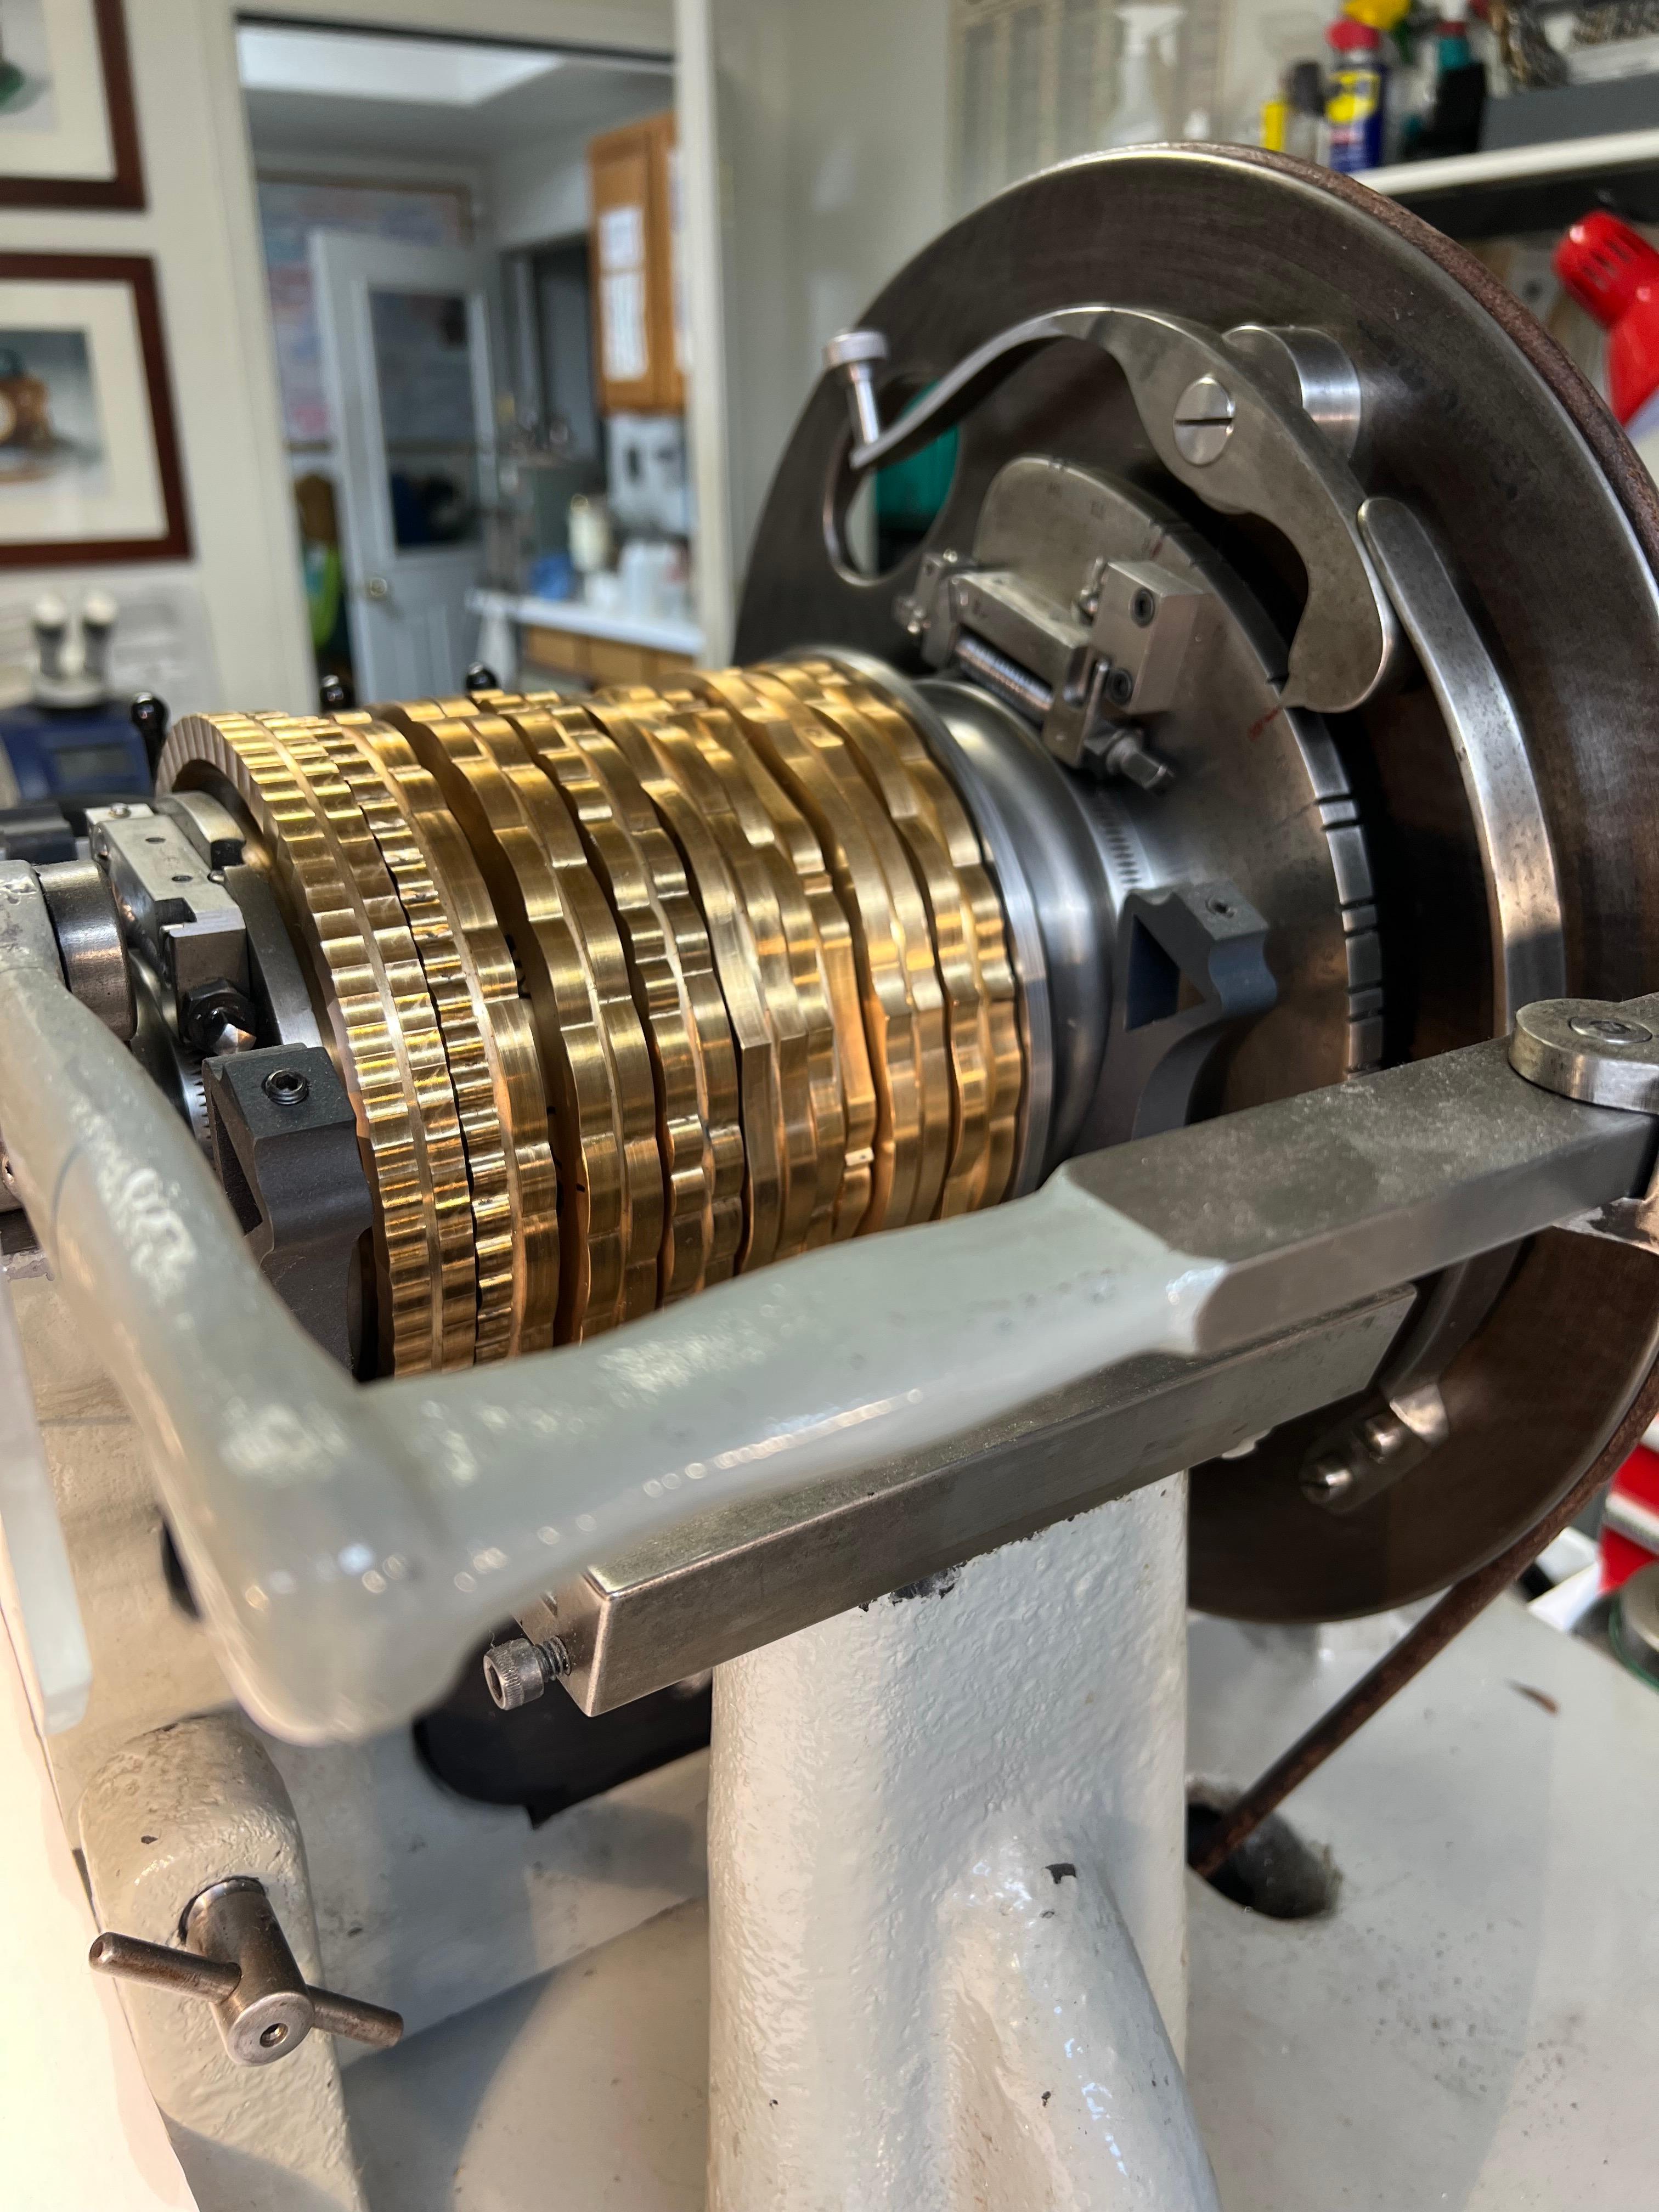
pixel 634 994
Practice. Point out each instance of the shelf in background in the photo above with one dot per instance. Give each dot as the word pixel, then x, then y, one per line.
pixel 579 620
pixel 1524 188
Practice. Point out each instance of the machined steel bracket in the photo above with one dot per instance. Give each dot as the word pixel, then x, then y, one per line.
pixel 1191 964
pixel 173 901
pixel 1227 431
pixel 284 1138
pixel 1114 651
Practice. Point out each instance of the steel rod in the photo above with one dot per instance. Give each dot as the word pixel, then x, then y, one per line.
pixel 1443 1621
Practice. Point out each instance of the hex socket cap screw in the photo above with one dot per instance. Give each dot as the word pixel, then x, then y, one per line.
pixel 517 1671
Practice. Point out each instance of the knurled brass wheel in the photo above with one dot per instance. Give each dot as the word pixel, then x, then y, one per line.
pixel 604 1104
pixel 486 1031
pixel 631 992
pixel 732 935
pixel 439 1156
pixel 984 935
pixel 241 755
pixel 664 1011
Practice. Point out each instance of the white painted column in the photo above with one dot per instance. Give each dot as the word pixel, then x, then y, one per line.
pixel 947 1890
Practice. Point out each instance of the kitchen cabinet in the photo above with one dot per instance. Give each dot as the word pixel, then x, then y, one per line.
pixel 639 313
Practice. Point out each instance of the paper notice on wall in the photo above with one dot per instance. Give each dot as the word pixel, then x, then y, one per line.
pixel 621 239
pixel 622 316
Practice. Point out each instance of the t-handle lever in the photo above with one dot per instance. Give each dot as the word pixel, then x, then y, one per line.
pixel 232 1951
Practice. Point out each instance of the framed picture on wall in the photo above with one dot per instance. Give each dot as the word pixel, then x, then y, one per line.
pixel 88 452
pixel 69 137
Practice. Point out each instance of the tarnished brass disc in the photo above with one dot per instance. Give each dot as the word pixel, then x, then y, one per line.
pixel 737 963
pixel 953 949
pixel 417 1038
pixel 687 935
pixel 237 752
pixel 487 1034
pixel 792 989
pixel 842 1089
pixel 988 932
pixel 903 1006
pixel 658 994
pixel 507 811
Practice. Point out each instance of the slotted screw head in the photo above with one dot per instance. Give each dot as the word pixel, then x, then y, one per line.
pixel 1203 421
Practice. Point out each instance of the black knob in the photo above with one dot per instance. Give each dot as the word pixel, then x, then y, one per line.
pixel 482 678
pixel 335 695
pixel 150 718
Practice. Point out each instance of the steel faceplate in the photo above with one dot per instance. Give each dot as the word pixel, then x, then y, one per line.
pixel 1550 528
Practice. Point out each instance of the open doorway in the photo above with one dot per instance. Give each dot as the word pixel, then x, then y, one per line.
pixel 470 254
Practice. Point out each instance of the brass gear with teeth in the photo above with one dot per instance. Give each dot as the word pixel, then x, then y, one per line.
pixel 631 992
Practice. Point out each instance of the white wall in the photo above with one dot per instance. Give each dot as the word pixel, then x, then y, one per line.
pixel 817 143
pixel 531 201
pixel 200 227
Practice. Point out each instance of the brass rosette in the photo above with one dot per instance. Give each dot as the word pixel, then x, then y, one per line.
pixel 632 993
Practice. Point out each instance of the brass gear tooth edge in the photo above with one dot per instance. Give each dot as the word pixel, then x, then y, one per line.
pixel 440 1154
pixel 494 1066
pixel 621 1034
pixel 634 992
pixel 715 1059
pixel 746 783
pixel 987 932
pixel 240 752
pixel 726 920
pixel 688 1167
pixel 843 816
pixel 690 759
pixel 957 968
pixel 838 972
pixel 493 814
pixel 470 1078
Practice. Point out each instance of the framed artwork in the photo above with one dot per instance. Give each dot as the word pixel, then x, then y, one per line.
pixel 89 450
pixel 69 137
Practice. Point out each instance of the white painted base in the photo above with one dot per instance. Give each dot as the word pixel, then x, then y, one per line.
pixel 1473 2029
pixel 941 1827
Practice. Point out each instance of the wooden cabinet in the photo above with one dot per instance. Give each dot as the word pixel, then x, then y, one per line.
pixel 638 311
pixel 597 661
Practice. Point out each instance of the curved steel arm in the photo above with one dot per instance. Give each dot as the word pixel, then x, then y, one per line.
pixel 1274 462
pixel 350 1544
pixel 1517 861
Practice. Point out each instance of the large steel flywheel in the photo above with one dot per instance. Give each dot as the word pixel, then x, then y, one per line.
pixel 1453 404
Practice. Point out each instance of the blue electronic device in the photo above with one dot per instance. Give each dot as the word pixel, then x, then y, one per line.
pixel 64 752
